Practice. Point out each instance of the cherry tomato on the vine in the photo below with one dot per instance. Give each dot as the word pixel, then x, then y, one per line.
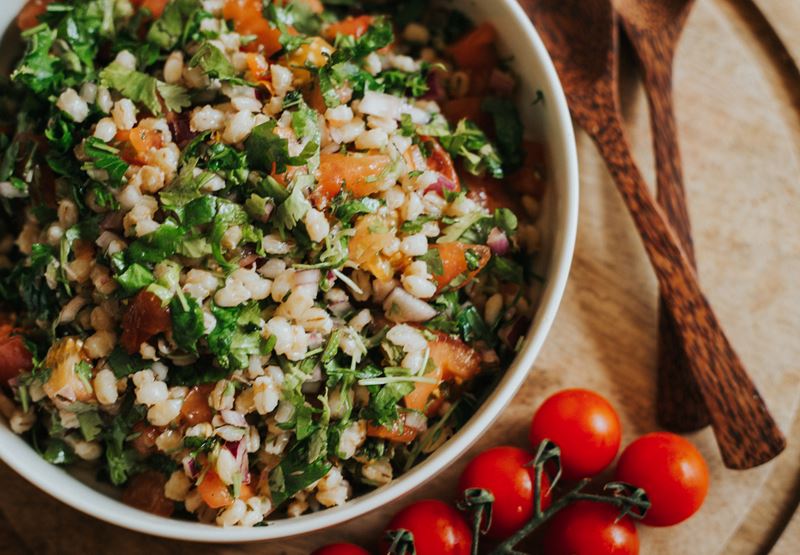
pixel 672 472
pixel 584 425
pixel 438 528
pixel 341 549
pixel 590 528
pixel 505 472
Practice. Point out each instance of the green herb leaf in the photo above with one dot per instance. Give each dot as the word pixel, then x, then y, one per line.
pixel 143 88
pixel 187 323
pixel 171 28
pixel 105 157
pixel 433 259
pixel 135 278
pixel 156 246
pixel 509 131
pixel 91 424
pixel 213 63
pixel 123 364
pixel 267 151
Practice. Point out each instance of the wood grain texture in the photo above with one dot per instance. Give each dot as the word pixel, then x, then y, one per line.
pixel 741 156
pixel 654 28
pixel 582 37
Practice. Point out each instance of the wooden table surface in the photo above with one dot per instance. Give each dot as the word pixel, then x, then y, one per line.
pixel 740 140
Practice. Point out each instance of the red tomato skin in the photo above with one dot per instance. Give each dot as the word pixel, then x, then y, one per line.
pixel 341 549
pixel 586 428
pixel 437 527
pixel 503 472
pixel 15 357
pixel 672 472
pixel 590 528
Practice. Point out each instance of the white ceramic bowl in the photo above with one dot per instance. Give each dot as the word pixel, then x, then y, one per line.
pixel 548 120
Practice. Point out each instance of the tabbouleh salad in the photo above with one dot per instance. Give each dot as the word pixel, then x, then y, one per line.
pixel 257 257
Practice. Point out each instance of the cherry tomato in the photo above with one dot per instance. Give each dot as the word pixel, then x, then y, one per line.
pixel 341 549
pixel 589 528
pixel 438 528
pixel 672 472
pixel 584 425
pixel 504 471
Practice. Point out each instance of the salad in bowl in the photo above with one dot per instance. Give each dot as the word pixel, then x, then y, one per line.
pixel 258 258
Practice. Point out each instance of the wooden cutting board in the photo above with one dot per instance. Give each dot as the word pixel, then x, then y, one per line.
pixel 740 140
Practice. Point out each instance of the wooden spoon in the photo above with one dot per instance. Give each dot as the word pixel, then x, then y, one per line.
pixel 583 40
pixel 654 27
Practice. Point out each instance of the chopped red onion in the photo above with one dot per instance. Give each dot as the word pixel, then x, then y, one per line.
pixel 190 467
pixel 498 241
pixel 511 333
pixel 441 185
pixel 436 90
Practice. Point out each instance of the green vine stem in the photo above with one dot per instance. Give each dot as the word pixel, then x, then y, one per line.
pixel 630 500
pixel 478 502
pixel 401 542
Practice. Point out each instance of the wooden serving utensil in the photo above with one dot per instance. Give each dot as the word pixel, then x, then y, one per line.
pixel 654 28
pixel 583 40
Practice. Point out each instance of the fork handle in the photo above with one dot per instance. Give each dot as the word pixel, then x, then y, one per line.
pixel 680 405
pixel 746 433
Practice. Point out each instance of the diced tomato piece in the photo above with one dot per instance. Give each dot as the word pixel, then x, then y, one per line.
pixel 315 6
pixel 354 26
pixel 530 179
pixel 156 7
pixel 479 82
pixel 62 359
pixel 15 357
pixel 469 108
pixel 258 68
pixel 29 15
pixel 399 432
pixel 248 20
pixel 195 408
pixel 360 175
pixel 315 52
pixel 489 192
pixel 214 492
pixel 143 140
pixel 455 359
pixel 246 492
pixel 144 318
pixel 146 492
pixel 372 235
pixel 454 262
pixel 145 441
pixel 476 50
pixel 418 399
pixel 440 161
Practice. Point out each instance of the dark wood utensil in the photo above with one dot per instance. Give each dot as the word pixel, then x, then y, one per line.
pixel 583 40
pixel 654 28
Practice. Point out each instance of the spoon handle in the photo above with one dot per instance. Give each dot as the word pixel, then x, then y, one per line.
pixel 680 404
pixel 746 433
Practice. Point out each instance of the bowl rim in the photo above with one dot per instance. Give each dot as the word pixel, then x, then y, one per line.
pixel 56 482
